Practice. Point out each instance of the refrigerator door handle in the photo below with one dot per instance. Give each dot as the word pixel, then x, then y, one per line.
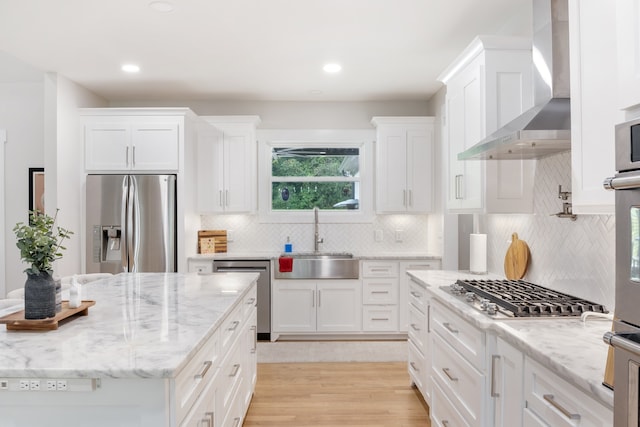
pixel 134 224
pixel 124 252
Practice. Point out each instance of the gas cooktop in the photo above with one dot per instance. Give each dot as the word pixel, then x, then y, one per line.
pixel 504 299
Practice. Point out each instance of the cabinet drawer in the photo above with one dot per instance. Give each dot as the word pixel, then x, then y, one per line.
pixel 199 371
pixel 418 329
pixel 460 334
pixel 230 378
pixel 230 329
pixel 558 403
pixel 203 412
pixel 443 412
pixel 380 291
pixel 381 318
pixel 379 269
pixel 417 368
pixel 418 296
pixel 249 303
pixel 462 382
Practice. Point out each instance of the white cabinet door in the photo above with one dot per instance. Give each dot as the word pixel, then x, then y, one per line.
pixel 594 106
pixel 488 86
pixel 227 166
pixel 239 167
pixel 154 146
pixel 507 385
pixel 339 306
pixel 420 170
pixel 107 146
pixel 294 306
pixel 628 37
pixel 128 145
pixel 404 164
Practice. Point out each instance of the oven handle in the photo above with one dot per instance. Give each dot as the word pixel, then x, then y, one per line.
pixel 621 341
pixel 622 183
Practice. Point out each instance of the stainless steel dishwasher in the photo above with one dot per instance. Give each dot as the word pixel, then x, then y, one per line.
pixel 262 266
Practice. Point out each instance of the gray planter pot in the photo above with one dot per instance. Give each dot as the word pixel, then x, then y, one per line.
pixel 39 296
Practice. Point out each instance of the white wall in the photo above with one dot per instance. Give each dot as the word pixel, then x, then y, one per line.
pixel 21 114
pixel 64 162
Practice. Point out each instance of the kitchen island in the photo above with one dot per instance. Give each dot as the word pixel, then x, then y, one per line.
pixel 156 349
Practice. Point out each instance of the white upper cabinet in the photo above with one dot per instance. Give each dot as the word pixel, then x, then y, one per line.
pixel 404 164
pixel 488 85
pixel 131 142
pixel 594 106
pixel 628 35
pixel 227 164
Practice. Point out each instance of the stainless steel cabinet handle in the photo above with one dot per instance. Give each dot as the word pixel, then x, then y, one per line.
pixel 226 198
pixel 235 370
pixel 254 330
pixel 379 292
pixel 207 365
pixel 319 298
pixel 450 328
pixel 235 324
pixel 414 367
pixel 445 423
pixel 133 163
pixel 410 198
pixel 415 294
pixel 493 375
pixel 126 160
pixel 380 318
pixel 415 328
pixel 380 269
pixel 250 301
pixel 236 422
pixel 451 377
pixel 549 398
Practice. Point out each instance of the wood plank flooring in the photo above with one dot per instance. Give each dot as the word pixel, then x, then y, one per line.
pixel 336 394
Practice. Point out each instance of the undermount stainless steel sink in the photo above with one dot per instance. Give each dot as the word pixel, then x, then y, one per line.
pixel 321 265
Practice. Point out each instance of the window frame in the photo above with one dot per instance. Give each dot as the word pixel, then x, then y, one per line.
pixel 351 138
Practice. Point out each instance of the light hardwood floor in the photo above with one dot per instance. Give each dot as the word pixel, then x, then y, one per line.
pixel 336 394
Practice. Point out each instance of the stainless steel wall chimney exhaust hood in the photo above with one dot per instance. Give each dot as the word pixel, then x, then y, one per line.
pixel 546 128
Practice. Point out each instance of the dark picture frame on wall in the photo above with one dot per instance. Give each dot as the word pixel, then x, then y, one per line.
pixel 36 189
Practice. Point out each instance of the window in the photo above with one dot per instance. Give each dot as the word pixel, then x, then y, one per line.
pixel 302 169
pixel 304 177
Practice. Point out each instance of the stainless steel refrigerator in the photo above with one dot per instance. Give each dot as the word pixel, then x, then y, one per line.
pixel 131 223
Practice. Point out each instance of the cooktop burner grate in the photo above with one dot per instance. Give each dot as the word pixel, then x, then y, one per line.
pixel 526 299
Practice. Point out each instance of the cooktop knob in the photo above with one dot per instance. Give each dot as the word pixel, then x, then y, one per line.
pixel 483 303
pixel 492 308
pixel 470 296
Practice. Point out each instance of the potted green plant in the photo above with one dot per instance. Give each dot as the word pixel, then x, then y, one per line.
pixel 40 244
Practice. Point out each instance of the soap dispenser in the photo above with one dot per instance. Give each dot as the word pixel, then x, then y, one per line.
pixel 288 247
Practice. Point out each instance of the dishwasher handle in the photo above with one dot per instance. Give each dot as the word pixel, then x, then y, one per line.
pixel 239 269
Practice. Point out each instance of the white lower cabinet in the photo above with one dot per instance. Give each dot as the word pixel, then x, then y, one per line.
pixel 419 339
pixel 506 385
pixel 551 401
pixel 443 411
pixel 301 306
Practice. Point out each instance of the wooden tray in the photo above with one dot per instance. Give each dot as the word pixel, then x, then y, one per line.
pixel 17 322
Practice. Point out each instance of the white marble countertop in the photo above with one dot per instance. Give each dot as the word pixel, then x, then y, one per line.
pixel 145 325
pixel 275 255
pixel 569 347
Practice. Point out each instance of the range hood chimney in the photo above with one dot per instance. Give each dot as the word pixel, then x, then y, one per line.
pixel 545 129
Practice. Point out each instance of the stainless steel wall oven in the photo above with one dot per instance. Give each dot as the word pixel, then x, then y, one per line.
pixel 625 339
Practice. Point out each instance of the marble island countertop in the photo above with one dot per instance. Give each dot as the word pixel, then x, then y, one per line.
pixel 144 325
pixel 569 347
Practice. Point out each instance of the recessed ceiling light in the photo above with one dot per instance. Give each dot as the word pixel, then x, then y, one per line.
pixel 161 6
pixel 130 68
pixel 332 68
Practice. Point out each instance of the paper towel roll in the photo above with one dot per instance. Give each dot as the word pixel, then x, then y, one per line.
pixel 478 253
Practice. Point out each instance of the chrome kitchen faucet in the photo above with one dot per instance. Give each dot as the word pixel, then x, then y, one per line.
pixel 317 239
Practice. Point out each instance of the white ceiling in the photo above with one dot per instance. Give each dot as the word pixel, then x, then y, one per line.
pixel 253 49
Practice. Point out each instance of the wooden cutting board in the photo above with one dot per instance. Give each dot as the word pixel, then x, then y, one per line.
pixel 212 241
pixel 517 259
